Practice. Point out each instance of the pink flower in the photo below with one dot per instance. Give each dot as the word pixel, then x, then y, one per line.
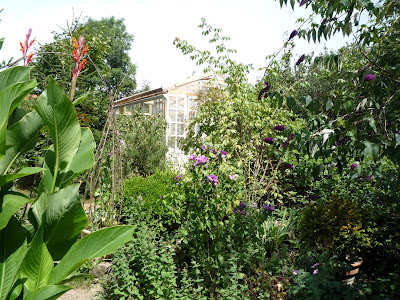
pixel 315 272
pixel 296 272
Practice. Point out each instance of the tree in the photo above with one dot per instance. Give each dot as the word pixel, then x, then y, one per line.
pixel 108 74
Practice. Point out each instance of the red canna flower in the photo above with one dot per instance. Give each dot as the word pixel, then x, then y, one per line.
pixel 79 51
pixel 25 48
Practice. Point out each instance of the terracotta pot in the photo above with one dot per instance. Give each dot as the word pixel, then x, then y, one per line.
pixel 350 276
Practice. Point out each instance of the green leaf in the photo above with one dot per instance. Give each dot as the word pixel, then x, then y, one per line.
pixel 397 137
pixel 347 105
pixel 9 204
pixel 82 160
pixel 21 137
pixel 97 244
pixel 37 264
pixel 10 96
pixel 48 292
pixel 308 100
pixel 59 114
pixel 21 173
pixel 371 149
pixel 329 104
pixel 13 75
pixel 64 221
pixel 12 252
pixel 80 100
pixel 291 103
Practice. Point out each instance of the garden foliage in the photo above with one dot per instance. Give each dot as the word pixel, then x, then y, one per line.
pixel 55 218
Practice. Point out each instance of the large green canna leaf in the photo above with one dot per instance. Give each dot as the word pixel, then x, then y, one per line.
pixel 21 173
pixel 38 263
pixel 64 220
pixel 9 99
pixel 14 75
pixel 59 114
pixel 97 244
pixel 82 160
pixel 21 137
pixel 12 252
pixel 48 292
pixel 9 205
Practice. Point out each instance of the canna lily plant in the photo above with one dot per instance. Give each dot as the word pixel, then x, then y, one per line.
pixel 39 254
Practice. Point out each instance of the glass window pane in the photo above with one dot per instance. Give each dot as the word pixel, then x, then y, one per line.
pixel 171 142
pixel 192 105
pixel 181 103
pixel 181 129
pixel 181 116
pixel 172 115
pixel 172 129
pixel 172 102
pixel 146 108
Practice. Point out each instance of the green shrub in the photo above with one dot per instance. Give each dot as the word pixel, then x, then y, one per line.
pixel 146 198
pixel 145 269
pixel 143 143
pixel 339 226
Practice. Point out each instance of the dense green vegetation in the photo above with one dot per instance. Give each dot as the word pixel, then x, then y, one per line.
pixel 288 181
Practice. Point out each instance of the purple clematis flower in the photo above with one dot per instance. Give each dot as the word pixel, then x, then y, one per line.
pixel 353 166
pixel 193 157
pixel 369 77
pixel 223 153
pixel 268 140
pixel 204 147
pixel 268 207
pixel 178 177
pixel 201 160
pixel 233 177
pixel 293 34
pixel 213 179
pixel 279 128
pixel 242 205
pixel 314 265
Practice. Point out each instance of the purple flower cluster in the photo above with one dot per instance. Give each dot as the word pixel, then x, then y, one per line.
pixel 286 143
pixel 264 91
pixel 293 34
pixel 201 160
pixel 178 177
pixel 193 157
pixel 369 77
pixel 300 60
pixel 353 166
pixel 213 179
pixel 223 153
pixel 241 208
pixel 279 128
pixel 268 207
pixel 268 140
pixel 304 2
pixel 289 166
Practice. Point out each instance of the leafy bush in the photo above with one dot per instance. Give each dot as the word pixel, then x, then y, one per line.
pixel 143 142
pixel 340 226
pixel 145 269
pixel 147 198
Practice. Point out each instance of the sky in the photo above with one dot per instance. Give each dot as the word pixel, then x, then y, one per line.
pixel 257 28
